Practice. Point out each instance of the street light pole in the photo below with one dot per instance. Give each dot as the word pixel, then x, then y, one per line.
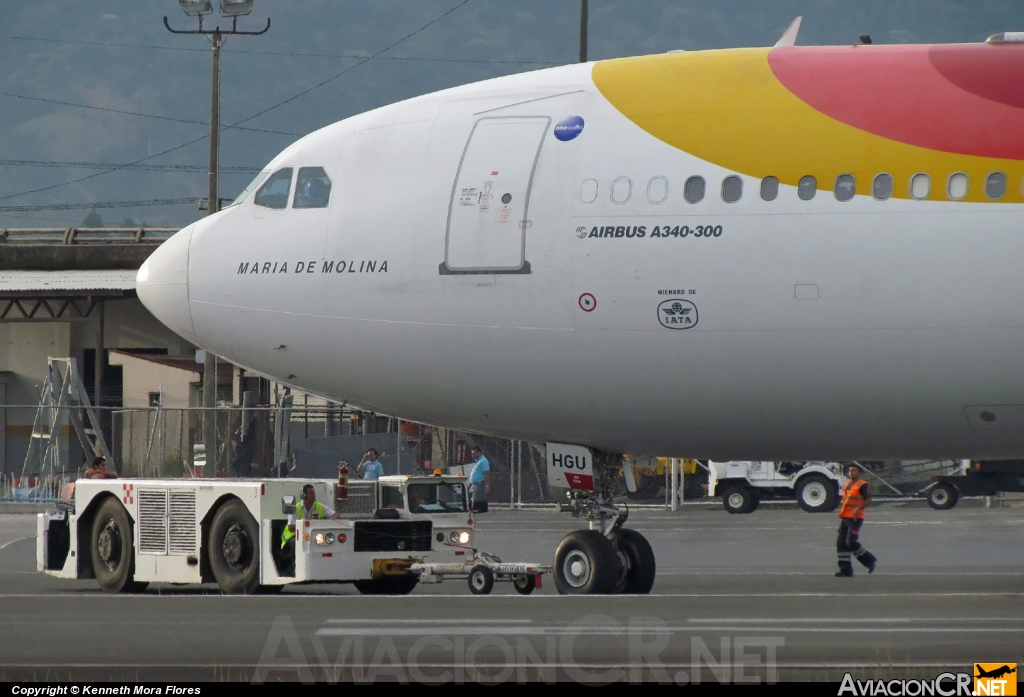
pixel 583 30
pixel 199 8
pixel 213 202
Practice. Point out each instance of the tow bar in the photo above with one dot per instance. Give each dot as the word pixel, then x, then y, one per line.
pixel 483 572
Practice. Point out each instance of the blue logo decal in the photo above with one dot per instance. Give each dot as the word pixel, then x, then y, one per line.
pixel 569 128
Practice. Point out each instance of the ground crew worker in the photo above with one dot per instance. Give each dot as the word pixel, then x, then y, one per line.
pixel 856 497
pixel 310 509
pixel 99 469
pixel 479 481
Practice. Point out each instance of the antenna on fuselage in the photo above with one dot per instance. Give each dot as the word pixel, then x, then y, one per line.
pixel 789 36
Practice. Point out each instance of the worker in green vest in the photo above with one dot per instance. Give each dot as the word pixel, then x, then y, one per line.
pixel 310 509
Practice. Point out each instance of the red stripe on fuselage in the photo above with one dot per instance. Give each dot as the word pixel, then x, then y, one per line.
pixel 966 99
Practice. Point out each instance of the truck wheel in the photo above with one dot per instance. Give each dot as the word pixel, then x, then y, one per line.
pixel 943 496
pixel 234 549
pixel 481 580
pixel 586 563
pixel 816 494
pixel 113 549
pixel 524 583
pixel 738 499
pixel 388 585
pixel 640 562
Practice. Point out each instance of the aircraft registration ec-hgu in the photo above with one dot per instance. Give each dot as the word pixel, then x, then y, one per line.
pixel 785 253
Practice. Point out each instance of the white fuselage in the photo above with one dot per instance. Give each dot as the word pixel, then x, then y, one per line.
pixel 817 329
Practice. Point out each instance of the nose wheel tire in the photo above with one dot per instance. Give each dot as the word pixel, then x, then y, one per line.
pixel 481 580
pixel 113 551
pixel 738 499
pixel 524 583
pixel 641 566
pixel 586 563
pixel 816 494
pixel 943 496
pixel 234 549
pixel 388 585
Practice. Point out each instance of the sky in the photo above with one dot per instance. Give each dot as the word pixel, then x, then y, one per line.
pixel 90 87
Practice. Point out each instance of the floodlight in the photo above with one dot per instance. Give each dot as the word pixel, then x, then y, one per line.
pixel 235 8
pixel 195 7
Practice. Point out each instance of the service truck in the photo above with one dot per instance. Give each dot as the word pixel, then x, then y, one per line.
pixel 742 484
pixel 127 533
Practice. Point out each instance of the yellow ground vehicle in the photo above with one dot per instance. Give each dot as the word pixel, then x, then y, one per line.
pixel 650 474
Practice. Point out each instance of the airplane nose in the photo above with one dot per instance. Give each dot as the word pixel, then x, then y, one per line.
pixel 162 284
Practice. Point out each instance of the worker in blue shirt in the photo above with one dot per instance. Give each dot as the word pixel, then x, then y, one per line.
pixel 479 480
pixel 369 467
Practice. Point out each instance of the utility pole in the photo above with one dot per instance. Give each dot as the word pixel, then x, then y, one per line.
pixel 233 9
pixel 583 30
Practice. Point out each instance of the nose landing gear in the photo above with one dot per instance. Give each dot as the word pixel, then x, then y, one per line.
pixel 607 558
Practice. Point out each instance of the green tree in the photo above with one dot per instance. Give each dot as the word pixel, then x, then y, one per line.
pixel 94 219
pixel 129 222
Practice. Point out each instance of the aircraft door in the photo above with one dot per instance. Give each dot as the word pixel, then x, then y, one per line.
pixel 488 214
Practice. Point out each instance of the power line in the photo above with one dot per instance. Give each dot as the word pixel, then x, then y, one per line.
pixel 136 113
pixel 260 113
pixel 106 171
pixel 282 53
pixel 105 165
pixel 102 204
pixel 353 67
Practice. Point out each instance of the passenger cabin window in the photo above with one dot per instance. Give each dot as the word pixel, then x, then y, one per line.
pixel 920 186
pixel 846 187
pixel 693 189
pixel 881 188
pixel 807 187
pixel 657 190
pixel 588 191
pixel 274 194
pixel 622 190
pixel 312 188
pixel 769 188
pixel 958 184
pixel 995 185
pixel 732 189
pixel 252 187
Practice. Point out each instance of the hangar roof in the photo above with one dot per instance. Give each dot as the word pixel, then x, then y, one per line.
pixel 68 281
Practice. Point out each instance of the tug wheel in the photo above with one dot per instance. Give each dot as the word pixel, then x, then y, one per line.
pixel 113 549
pixel 524 583
pixel 234 549
pixel 481 580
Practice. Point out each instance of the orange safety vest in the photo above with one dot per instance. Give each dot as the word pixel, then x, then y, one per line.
pixel 852 500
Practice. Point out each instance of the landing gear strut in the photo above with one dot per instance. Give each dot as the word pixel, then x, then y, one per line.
pixel 607 558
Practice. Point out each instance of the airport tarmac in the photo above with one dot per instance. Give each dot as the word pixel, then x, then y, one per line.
pixel 737 597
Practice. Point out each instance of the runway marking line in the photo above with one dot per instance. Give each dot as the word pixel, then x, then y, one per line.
pixel 281 666
pixel 485 598
pixel 633 630
pixel 5 545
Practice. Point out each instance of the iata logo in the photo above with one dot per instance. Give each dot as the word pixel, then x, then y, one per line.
pixel 677 313
pixel 569 128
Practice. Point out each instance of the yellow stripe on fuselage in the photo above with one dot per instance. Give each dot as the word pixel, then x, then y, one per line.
pixel 728 108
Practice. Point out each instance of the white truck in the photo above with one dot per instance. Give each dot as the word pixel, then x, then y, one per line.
pixel 127 533
pixel 743 484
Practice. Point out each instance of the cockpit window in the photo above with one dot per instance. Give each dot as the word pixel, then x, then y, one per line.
pixel 274 194
pixel 442 497
pixel 312 188
pixel 249 189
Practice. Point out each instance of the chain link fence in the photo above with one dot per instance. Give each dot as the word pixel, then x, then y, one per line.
pixel 310 442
